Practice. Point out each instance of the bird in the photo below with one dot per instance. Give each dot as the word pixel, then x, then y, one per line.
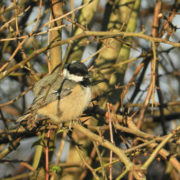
pixel 61 97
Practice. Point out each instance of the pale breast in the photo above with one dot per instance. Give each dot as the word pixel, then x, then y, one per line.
pixel 74 106
pixel 70 107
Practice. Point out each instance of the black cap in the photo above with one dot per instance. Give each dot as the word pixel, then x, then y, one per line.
pixel 77 68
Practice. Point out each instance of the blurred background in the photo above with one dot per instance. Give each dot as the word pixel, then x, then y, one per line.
pixel 132 48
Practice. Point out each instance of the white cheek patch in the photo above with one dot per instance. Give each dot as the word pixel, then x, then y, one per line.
pixel 72 77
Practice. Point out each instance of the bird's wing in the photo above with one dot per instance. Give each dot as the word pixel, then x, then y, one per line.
pixel 44 82
pixel 57 90
pixel 50 88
